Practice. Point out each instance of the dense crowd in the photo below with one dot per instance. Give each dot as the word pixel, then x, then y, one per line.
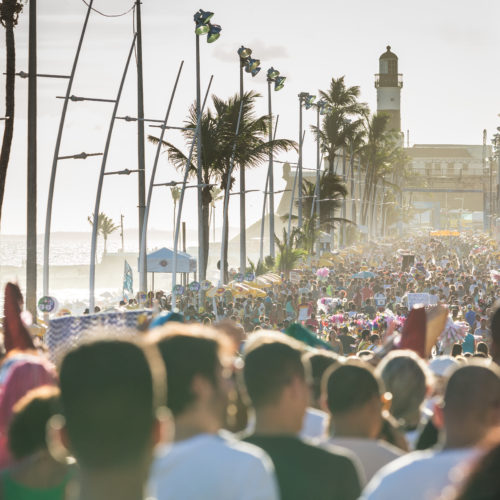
pixel 332 383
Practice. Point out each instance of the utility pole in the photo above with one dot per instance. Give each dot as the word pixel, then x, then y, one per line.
pixel 140 145
pixel 31 268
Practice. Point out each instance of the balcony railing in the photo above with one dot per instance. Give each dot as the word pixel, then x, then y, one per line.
pixel 388 80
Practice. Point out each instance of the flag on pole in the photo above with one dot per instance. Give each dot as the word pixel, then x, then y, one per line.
pixel 128 280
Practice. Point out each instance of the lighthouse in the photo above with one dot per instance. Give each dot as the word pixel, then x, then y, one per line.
pixel 388 83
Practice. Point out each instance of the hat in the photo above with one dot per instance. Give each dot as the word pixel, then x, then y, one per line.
pixel 163 318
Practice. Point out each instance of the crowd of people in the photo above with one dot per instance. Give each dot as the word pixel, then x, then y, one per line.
pixel 335 383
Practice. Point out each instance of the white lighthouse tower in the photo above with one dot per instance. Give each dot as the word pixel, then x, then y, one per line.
pixel 388 83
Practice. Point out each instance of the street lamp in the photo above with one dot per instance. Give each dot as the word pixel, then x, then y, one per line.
pixel 251 66
pixel 203 27
pixel 273 76
pixel 306 100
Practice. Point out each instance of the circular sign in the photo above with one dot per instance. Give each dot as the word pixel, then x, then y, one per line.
pixel 239 277
pixel 163 263
pixel 47 304
pixel 194 286
pixel 178 289
pixel 249 276
pixel 206 285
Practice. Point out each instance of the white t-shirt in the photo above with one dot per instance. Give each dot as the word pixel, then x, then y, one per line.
pixel 315 424
pixel 421 475
pixel 213 467
pixel 372 454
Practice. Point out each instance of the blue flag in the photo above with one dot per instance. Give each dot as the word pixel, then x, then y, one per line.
pixel 128 280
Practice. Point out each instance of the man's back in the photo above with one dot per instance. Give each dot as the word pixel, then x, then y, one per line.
pixel 214 467
pixel 305 471
pixel 418 475
pixel 372 454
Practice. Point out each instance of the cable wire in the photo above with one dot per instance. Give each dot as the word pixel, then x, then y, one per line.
pixel 109 15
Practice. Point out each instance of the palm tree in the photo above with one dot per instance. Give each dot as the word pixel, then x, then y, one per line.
pixel 9 15
pixel 216 196
pixel 344 119
pixel 176 194
pixel 251 144
pixel 218 128
pixel 331 193
pixel 105 226
pixel 287 257
pixel 376 154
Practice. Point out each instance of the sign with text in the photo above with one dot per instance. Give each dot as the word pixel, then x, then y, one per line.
pixel 421 298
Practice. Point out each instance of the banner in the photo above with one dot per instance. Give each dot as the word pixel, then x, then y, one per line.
pixel 421 298
pixel 128 280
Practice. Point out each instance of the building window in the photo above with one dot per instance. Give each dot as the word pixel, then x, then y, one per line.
pixel 393 66
pixel 450 170
pixel 428 169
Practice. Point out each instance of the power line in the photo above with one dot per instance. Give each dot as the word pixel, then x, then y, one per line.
pixel 109 15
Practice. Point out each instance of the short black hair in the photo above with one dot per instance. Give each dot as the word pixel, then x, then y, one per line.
pixel 271 362
pixel 187 351
pixel 350 386
pixel 26 433
pixel 109 397
pixel 320 361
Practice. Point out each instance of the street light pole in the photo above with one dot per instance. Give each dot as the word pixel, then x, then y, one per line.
pixel 251 66
pixel 300 162
pixel 31 268
pixel 140 146
pixel 203 27
pixel 199 176
pixel 243 229
pixel 271 173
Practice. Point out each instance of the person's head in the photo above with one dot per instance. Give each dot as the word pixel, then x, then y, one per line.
pixel 277 379
pixel 456 350
pixel 319 361
pixel 198 365
pixel 27 429
pixel 471 403
pixel 483 480
pixel 365 335
pixel 405 376
pixel 353 395
pixel 110 393
pixel 482 347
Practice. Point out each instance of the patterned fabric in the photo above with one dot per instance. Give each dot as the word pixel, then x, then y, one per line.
pixel 67 332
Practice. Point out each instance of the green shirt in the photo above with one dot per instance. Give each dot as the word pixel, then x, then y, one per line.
pixel 13 490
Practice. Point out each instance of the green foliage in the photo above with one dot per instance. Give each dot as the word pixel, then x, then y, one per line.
pixel 288 257
pixel 105 226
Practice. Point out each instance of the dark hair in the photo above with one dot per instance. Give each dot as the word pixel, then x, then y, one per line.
pixel 109 398
pixel 271 362
pixel 187 351
pixel 472 389
pixel 482 347
pixel 26 433
pixel 319 362
pixel 349 386
pixel 456 350
pixel 365 334
pixel 483 480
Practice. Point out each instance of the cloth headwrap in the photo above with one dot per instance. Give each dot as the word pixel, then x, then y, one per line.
pixel 16 335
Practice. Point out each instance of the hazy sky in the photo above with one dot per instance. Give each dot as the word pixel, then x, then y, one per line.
pixel 448 53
